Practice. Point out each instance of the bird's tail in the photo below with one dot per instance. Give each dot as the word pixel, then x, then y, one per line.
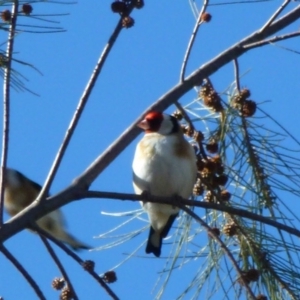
pixel 73 242
pixel 53 224
pixel 155 237
pixel 154 242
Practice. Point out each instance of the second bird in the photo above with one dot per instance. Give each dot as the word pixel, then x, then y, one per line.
pixel 164 165
pixel 20 191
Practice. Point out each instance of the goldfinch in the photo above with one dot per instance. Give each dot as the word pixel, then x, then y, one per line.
pixel 164 165
pixel 20 191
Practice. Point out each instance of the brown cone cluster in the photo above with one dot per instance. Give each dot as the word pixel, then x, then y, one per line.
pixel 241 102
pixel 252 275
pixel 88 265
pixel 66 294
pixel 198 188
pixel 110 277
pixel 212 179
pixel 210 97
pixel 119 7
pixel 215 230
pixel 58 283
pixel 211 176
pixel 225 196
pixel 261 297
pixel 230 229
pixel 139 4
pixel 27 9
pixel 206 17
pixel 178 115
pixel 6 15
pixel 127 22
pixel 212 146
pixel 122 7
pixel 248 108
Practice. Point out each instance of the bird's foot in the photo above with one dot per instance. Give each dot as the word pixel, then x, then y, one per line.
pixel 145 195
pixel 176 201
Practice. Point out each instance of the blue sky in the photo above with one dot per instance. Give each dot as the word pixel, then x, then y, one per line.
pixel 144 64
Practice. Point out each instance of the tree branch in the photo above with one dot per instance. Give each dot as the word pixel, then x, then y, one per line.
pixel 23 271
pixel 81 262
pixel 237 74
pixel 192 40
pixel 58 263
pixel 37 210
pixel 275 15
pixel 6 100
pixel 81 105
pixel 206 205
pixel 273 40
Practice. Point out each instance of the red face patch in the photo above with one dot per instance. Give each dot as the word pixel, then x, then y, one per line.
pixel 154 120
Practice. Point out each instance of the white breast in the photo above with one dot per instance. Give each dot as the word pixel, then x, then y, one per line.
pixel 159 171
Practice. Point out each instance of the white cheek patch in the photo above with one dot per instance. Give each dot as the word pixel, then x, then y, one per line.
pixel 166 126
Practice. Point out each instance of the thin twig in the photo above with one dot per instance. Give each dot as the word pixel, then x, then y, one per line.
pixel 285 48
pixel 237 74
pixel 37 210
pixel 80 107
pixel 239 2
pixel 6 101
pixel 80 261
pixel 59 265
pixel 275 15
pixel 272 40
pixel 185 115
pixel 207 205
pixel 194 8
pixel 192 40
pixel 223 246
pixel 23 271
pixel 191 127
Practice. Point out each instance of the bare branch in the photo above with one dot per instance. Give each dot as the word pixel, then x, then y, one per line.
pixel 81 262
pixel 272 40
pixel 37 210
pixel 59 264
pixel 239 2
pixel 185 115
pixel 6 100
pixel 81 105
pixel 192 40
pixel 237 74
pixel 23 271
pixel 276 14
pixel 207 205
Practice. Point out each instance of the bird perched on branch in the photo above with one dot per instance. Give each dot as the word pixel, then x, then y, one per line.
pixel 20 191
pixel 164 165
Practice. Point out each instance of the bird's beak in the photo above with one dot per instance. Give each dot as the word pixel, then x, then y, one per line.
pixel 144 124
